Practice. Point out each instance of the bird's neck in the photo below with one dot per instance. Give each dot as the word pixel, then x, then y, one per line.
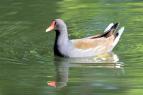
pixel 61 41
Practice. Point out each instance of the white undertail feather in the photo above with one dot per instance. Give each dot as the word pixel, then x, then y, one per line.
pixel 108 27
pixel 118 37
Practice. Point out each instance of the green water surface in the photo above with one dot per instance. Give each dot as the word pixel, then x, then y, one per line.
pixel 27 63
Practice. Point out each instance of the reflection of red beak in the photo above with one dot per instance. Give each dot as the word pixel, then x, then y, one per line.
pixel 51 27
pixel 52 84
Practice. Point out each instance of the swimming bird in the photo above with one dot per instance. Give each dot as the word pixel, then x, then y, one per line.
pixel 84 47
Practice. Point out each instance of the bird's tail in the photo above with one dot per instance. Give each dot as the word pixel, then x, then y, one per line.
pixel 110 30
pixel 117 36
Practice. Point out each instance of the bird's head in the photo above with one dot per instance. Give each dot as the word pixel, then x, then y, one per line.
pixel 57 24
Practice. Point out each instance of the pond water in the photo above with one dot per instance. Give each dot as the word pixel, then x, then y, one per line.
pixel 27 63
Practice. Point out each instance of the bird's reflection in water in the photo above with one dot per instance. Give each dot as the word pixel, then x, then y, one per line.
pixel 62 65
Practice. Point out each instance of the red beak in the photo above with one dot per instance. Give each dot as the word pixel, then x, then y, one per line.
pixel 51 27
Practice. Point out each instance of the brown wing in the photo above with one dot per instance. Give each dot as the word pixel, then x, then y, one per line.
pixel 106 40
pixel 93 43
